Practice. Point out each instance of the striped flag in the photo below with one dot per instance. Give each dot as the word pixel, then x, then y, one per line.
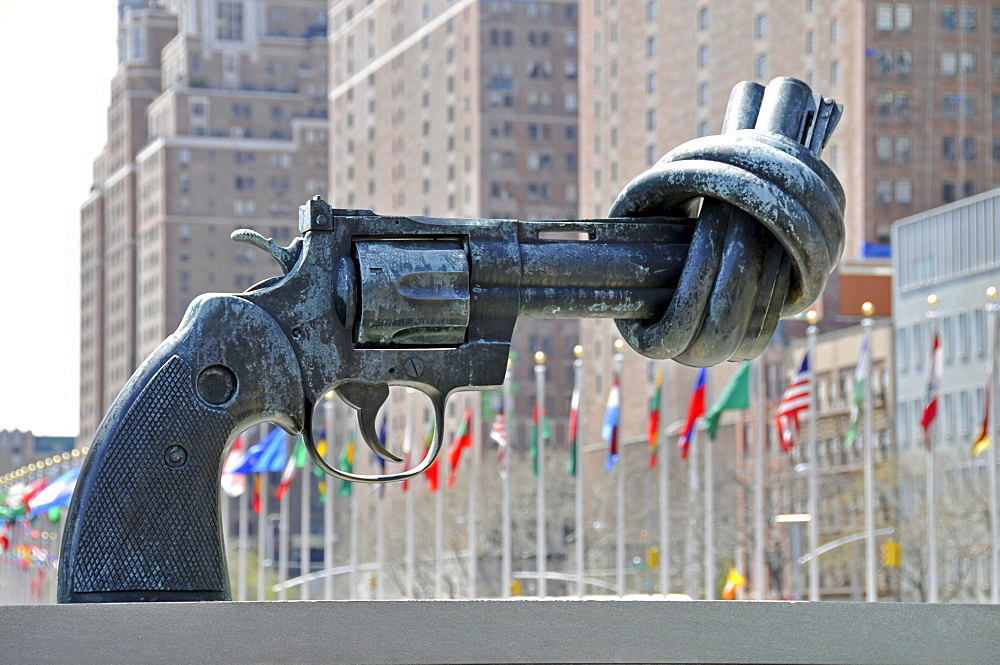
pixel 653 430
pixel 794 401
pixel 574 424
pixel 432 471
pixel 233 484
pixel 498 433
pixel 296 461
pixel 696 409
pixel 932 388
pixel 609 430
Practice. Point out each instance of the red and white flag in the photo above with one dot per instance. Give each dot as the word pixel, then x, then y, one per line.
pixel 498 433
pixel 794 401
pixel 233 484
pixel 932 388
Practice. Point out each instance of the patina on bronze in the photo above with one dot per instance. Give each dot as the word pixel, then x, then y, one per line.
pixel 368 301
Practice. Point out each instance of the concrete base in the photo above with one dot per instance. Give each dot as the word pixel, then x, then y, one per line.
pixel 497 631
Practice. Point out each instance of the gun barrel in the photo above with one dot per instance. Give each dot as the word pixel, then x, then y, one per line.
pixel 607 269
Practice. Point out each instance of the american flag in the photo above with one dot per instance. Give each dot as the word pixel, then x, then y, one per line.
pixel 498 433
pixel 793 402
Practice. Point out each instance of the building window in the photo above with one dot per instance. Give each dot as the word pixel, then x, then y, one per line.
pixel 883 190
pixel 834 30
pixel 996 149
pixel 834 73
pixel 883 62
pixel 651 83
pixel 949 18
pixel 904 190
pixel 968 18
pixel 760 26
pixel 949 63
pixel 651 47
pixel 903 104
pixel 967 61
pixel 883 103
pixel 883 16
pixel 703 18
pixel 229 21
pixel 969 148
pixel 903 148
pixel 810 41
pixel 883 148
pixel 904 16
pixel 969 188
pixel 702 94
pixel 949 151
pixel 947 191
pixel 760 66
pixel 949 106
pixel 904 61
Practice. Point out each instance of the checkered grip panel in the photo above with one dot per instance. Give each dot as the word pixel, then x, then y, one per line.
pixel 149 526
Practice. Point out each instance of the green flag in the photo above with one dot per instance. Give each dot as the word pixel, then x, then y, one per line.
pixel 861 371
pixel 736 395
pixel 346 463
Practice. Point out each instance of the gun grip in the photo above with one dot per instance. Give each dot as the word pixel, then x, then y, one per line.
pixel 144 523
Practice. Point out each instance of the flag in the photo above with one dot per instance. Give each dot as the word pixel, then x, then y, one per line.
pixel 32 490
pixel 318 472
pixel 861 372
pixel 382 438
pixel 609 429
pixel 539 433
pixel 346 464
pixel 794 401
pixel 734 581
pixel 932 388
pixel 57 494
pixel 573 430
pixel 982 441
pixel 432 471
pixel 653 429
pixel 498 433
pixel 736 395
pixel 463 439
pixel 233 484
pixel 256 494
pixel 696 409
pixel 296 461
pixel 407 448
pixel 267 455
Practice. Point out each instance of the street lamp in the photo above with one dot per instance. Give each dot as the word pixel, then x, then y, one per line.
pixel 795 520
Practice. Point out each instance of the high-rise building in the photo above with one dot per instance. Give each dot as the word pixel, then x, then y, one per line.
pixel 217 121
pixel 461 109
pixel 918 81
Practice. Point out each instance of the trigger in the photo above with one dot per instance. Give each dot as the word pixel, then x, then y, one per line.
pixel 367 400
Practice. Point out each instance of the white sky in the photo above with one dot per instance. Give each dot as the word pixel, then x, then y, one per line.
pixel 57 59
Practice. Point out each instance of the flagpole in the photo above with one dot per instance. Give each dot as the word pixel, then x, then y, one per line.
pixel 871 563
pixel 760 450
pixel 691 572
pixel 262 553
pixel 408 556
pixel 618 360
pixel 438 544
pixel 355 544
pixel 664 461
pixel 541 551
pixel 812 316
pixel 284 535
pixel 581 587
pixel 505 555
pixel 329 524
pixel 992 309
pixel 305 529
pixel 477 426
pixel 709 513
pixel 241 590
pixel 932 577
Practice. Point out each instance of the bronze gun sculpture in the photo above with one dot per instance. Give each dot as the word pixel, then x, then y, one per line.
pixel 368 301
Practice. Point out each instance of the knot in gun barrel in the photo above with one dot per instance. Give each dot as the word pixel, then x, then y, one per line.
pixel 769 233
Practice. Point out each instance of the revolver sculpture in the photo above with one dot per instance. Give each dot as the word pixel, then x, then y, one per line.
pixel 368 301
